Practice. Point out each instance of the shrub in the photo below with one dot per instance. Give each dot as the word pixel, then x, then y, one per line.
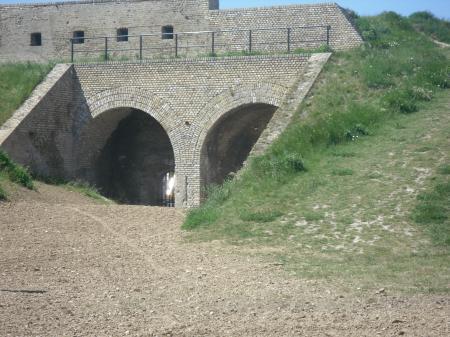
pixel 16 173
pixel 279 165
pixel 366 30
pixel 2 194
pixel 401 100
pixel 429 24
pixel 357 131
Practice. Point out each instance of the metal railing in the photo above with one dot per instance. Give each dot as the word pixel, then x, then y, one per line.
pixel 207 43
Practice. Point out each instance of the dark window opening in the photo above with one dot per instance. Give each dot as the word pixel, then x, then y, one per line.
pixel 213 4
pixel 36 39
pixel 167 33
pixel 78 37
pixel 122 35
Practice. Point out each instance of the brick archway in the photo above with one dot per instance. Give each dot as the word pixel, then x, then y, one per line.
pixel 230 99
pixel 136 98
pixel 108 109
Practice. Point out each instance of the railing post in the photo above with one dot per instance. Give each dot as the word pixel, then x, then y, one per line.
pixel 213 51
pixel 176 45
pixel 140 47
pixel 250 41
pixel 106 48
pixel 328 35
pixel 71 50
pixel 289 40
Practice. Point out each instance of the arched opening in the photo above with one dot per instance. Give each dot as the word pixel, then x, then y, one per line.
pixel 230 140
pixel 134 161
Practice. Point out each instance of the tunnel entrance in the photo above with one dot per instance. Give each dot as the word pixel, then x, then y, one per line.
pixel 136 165
pixel 231 139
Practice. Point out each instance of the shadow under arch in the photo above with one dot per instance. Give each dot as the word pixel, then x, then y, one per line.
pixel 230 140
pixel 126 150
pixel 235 120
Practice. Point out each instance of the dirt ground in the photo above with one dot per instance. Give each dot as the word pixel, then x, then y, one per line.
pixel 69 267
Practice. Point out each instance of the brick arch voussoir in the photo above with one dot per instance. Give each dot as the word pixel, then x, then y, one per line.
pixel 230 99
pixel 140 99
pixel 136 98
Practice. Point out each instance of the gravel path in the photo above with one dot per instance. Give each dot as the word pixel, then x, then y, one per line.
pixel 71 268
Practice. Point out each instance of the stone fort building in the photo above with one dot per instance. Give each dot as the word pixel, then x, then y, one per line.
pixel 43 31
pixel 159 129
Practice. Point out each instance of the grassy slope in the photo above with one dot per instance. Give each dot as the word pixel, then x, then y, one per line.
pixel 348 217
pixel 430 25
pixel 17 81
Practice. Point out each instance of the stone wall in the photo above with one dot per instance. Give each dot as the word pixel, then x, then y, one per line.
pixel 341 36
pixel 57 22
pixel 40 134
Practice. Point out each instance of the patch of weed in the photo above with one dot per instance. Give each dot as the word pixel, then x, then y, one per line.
pixel 200 217
pixel 342 172
pixel 444 169
pixel 85 189
pixel 3 195
pixel 259 216
pixel 343 153
pixel 312 216
pixel 433 212
pixel 15 172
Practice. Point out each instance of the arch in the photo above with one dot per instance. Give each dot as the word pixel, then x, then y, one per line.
pixel 225 107
pixel 133 97
pixel 126 97
pixel 230 140
pixel 229 100
pixel 112 113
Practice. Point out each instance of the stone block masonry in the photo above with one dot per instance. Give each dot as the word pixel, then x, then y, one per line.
pixel 203 114
pixel 41 32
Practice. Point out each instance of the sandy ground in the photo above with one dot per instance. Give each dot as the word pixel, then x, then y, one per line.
pixel 72 268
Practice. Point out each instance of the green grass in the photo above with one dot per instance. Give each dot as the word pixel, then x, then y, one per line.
pixel 433 209
pixel 344 179
pixel 17 81
pixel 12 172
pixel 397 71
pixel 429 24
pixel 15 172
pixel 85 189
pixel 76 186
pixel 3 195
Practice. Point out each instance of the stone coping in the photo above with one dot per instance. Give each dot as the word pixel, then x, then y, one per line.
pixel 198 59
pixel 100 2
